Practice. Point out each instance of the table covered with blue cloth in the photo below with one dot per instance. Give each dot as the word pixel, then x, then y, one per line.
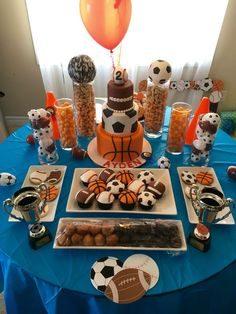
pixel 58 281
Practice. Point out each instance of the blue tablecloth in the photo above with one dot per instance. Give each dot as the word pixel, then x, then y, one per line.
pixel 57 281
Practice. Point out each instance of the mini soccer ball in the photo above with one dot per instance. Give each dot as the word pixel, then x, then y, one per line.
pixel 33 114
pixel 212 117
pixel 195 158
pixel 163 162
pixel 103 270
pixel 159 72
pixel 7 179
pixel 206 84
pixel 208 138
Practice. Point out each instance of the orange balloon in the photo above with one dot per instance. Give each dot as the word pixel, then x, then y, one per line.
pixel 107 21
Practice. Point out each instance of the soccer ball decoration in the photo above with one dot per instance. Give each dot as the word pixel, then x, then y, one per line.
pixel 159 72
pixel 7 179
pixel 116 123
pixel 120 75
pixel 163 162
pixel 82 69
pixel 103 270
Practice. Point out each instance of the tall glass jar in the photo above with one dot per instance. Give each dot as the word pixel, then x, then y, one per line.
pixel 180 115
pixel 155 109
pixel 85 108
pixel 43 133
pixel 205 134
pixel 66 123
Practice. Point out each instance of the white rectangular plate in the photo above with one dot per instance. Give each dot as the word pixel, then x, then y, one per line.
pixel 52 205
pixel 164 206
pixel 64 221
pixel 191 213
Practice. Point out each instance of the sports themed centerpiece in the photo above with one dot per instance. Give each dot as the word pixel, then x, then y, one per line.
pixel 82 72
pixel 159 74
pixel 120 137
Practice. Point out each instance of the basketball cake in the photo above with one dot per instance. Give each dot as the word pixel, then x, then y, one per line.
pixel 120 135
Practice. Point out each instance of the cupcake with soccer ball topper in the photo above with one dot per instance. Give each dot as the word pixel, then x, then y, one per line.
pixel 115 187
pixel 146 200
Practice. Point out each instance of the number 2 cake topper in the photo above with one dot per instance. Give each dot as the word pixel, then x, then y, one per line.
pixel 120 75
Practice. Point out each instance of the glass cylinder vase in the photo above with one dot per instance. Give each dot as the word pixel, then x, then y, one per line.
pixel 155 109
pixel 66 123
pixel 204 137
pixel 40 121
pixel 85 108
pixel 180 115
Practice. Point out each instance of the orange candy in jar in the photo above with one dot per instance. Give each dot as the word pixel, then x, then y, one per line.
pixel 179 121
pixel 66 123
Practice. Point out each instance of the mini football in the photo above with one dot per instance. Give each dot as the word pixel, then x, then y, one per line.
pixel 128 285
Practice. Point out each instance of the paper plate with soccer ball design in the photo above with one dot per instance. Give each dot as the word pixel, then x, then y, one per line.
pixel 103 270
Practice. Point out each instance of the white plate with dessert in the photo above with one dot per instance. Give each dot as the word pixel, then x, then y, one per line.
pixel 125 234
pixel 128 191
pixel 203 177
pixel 52 176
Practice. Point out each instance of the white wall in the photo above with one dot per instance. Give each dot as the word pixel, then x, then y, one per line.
pixel 20 77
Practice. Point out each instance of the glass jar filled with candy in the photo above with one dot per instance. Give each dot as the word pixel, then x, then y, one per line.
pixel 205 134
pixel 66 123
pixel 179 121
pixel 157 92
pixel 42 132
pixel 82 72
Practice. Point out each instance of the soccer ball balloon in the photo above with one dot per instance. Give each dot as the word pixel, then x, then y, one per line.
pixel 103 270
pixel 163 162
pixel 159 72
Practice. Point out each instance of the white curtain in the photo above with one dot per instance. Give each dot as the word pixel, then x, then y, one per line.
pixel 183 32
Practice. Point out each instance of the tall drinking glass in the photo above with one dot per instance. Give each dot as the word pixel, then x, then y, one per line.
pixel 179 121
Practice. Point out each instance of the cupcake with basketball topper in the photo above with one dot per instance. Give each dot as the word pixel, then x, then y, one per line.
pixel 119 138
pixel 205 134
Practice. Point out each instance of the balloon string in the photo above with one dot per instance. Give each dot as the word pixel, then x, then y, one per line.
pixel 112 59
pixel 119 55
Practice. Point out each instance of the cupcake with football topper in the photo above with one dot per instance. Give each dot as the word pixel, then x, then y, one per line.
pixel 88 176
pixel 84 198
pixel 105 200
